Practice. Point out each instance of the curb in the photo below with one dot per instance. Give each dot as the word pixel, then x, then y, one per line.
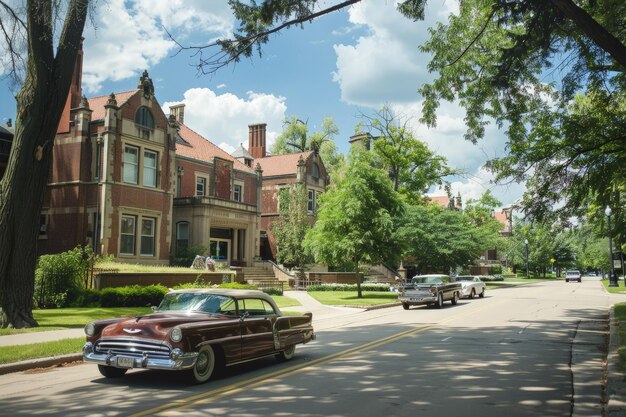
pixel 616 380
pixel 379 306
pixel 39 363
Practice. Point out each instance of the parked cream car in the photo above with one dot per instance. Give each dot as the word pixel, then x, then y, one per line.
pixel 471 286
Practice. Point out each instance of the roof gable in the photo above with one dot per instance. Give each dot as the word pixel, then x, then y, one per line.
pixel 286 164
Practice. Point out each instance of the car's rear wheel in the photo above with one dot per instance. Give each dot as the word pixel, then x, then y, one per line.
pixel 439 303
pixel 405 306
pixel 205 365
pixel 482 294
pixel 455 298
pixel 111 372
pixel 286 354
pixel 473 293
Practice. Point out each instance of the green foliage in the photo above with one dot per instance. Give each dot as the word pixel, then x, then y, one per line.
pixel 132 296
pixel 565 131
pixel 413 168
pixel 437 238
pixel 291 227
pixel 60 278
pixel 295 138
pixel 348 287
pixel 238 286
pixel 356 216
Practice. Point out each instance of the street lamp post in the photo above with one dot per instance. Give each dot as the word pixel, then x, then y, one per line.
pixel 612 277
pixel 526 243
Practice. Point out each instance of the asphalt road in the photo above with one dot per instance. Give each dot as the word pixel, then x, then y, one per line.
pixel 535 350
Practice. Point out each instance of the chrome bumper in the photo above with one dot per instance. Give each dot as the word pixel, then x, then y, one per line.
pixel 418 299
pixel 177 361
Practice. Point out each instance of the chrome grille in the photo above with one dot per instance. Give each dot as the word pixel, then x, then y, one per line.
pixel 133 347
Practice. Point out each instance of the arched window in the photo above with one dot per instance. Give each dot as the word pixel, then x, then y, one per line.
pixel 144 118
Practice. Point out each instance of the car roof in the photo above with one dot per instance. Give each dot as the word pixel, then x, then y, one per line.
pixel 430 276
pixel 227 292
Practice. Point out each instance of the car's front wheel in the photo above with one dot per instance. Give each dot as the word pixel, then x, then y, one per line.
pixel 439 303
pixel 482 294
pixel 473 293
pixel 455 298
pixel 405 306
pixel 286 354
pixel 111 372
pixel 205 365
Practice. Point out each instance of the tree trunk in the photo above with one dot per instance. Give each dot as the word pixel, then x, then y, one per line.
pixel 40 104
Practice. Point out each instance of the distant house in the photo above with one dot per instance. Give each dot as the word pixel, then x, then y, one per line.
pixel 278 172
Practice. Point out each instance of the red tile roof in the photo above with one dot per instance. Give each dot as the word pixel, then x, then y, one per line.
pixel 97 103
pixel 441 200
pixel 201 149
pixel 281 164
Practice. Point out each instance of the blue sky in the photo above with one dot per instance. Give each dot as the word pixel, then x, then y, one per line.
pixel 341 65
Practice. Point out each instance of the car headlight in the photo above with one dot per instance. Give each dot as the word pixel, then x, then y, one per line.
pixel 176 335
pixel 90 329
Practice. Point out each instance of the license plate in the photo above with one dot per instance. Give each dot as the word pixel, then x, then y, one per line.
pixel 123 362
pixel 415 299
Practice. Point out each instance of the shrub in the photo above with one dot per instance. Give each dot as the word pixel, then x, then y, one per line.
pixel 496 269
pixel 59 278
pixel 238 286
pixel 132 296
pixel 349 287
pixel 491 278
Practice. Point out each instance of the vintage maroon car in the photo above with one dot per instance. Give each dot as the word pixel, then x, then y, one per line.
pixel 197 330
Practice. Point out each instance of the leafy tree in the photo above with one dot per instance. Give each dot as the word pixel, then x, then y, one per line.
pixel 295 138
pixel 355 219
pixel 40 103
pixel 438 239
pixel 291 227
pixel 566 137
pixel 413 168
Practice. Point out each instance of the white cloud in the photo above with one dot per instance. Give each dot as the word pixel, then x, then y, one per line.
pixel 224 118
pixel 385 65
pixel 131 36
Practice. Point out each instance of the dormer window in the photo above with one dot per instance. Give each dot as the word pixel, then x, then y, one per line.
pixel 315 171
pixel 144 122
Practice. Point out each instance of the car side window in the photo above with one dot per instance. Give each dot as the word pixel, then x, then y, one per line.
pixel 253 306
pixel 229 308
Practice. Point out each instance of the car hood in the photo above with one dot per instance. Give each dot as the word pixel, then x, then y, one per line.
pixel 156 325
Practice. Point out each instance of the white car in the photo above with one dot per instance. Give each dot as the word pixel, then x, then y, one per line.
pixel 471 286
pixel 573 275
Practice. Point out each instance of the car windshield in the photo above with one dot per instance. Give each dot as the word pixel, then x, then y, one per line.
pixel 206 303
pixel 572 272
pixel 430 280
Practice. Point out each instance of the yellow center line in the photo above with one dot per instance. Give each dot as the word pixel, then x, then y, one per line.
pixel 232 389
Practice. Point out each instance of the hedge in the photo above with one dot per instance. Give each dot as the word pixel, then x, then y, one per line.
pixel 349 287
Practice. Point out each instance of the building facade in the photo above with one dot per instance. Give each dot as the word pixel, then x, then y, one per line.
pixel 279 172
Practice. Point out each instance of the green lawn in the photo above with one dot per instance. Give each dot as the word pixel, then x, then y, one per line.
pixel 349 298
pixel 620 316
pixel 621 289
pixel 40 350
pixel 68 318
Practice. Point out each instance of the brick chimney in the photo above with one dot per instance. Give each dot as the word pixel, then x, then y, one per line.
pixel 256 140
pixel 178 111
pixel 76 92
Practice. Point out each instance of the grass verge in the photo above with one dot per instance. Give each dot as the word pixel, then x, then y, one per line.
pixel 621 289
pixel 69 318
pixel 349 298
pixel 18 353
pixel 620 317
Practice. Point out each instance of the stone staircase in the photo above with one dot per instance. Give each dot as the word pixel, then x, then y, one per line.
pixel 261 276
pixel 372 276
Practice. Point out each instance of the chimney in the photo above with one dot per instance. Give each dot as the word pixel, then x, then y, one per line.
pixel 178 111
pixel 256 140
